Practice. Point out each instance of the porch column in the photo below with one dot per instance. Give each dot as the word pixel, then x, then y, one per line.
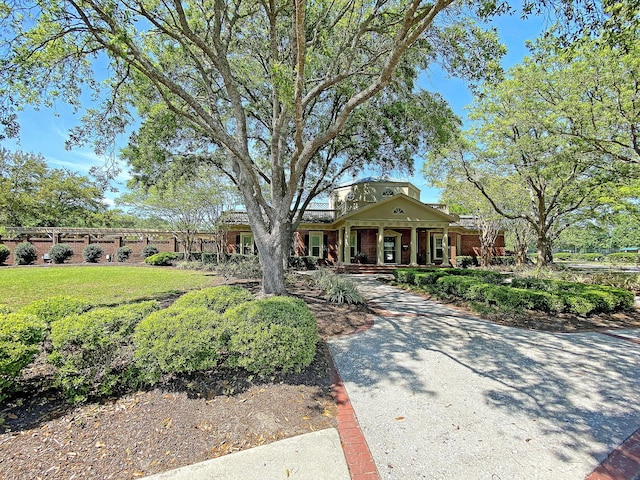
pixel 445 246
pixel 380 248
pixel 428 247
pixel 340 247
pixel 347 249
pixel 413 247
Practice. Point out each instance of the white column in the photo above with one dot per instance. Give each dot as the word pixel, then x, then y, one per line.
pixel 340 246
pixel 413 246
pixel 428 247
pixel 380 247
pixel 347 240
pixel 445 247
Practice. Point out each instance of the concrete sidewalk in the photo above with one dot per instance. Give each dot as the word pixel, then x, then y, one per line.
pixel 444 395
pixel 312 456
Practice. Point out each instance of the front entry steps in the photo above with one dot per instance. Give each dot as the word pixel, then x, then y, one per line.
pixel 356 268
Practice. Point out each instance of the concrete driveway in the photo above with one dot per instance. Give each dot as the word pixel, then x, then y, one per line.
pixel 444 395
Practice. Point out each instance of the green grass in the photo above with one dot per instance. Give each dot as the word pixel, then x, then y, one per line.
pixel 96 284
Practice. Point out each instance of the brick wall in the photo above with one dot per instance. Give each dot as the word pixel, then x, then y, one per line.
pixel 109 247
pixel 470 245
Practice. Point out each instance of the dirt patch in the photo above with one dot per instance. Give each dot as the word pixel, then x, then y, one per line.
pixel 187 420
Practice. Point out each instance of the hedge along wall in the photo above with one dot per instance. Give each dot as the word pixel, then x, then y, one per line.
pixel 109 246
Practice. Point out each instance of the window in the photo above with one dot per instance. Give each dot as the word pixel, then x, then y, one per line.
pixel 315 244
pixel 438 250
pixel 353 245
pixel 387 192
pixel 398 211
pixel 246 244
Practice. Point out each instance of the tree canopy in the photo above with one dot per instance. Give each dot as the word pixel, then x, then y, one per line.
pixel 555 141
pixel 34 195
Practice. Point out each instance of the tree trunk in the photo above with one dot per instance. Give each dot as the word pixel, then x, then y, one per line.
pixel 273 248
pixel 545 256
pixel 521 254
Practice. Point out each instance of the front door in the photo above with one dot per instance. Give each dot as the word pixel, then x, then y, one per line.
pixel 389 249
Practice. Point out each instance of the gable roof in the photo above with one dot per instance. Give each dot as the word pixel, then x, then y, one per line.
pixel 413 210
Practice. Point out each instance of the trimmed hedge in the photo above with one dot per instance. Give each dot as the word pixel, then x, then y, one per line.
pixel 623 257
pixel 20 338
pixel 123 254
pixel 149 250
pixel 277 333
pixel 92 253
pixel 25 254
pixel 488 288
pixel 60 253
pixel 4 253
pixel 55 308
pixel 163 259
pixel 94 351
pixel 179 340
pixel 218 299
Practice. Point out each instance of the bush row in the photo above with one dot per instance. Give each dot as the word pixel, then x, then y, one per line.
pixel 489 288
pixel 617 257
pixel 106 351
pixel 25 253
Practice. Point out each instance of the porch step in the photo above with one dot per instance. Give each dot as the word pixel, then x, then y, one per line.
pixel 370 269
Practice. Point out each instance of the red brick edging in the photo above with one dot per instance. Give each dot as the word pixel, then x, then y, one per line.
pixel 621 464
pixel 356 451
pixel 620 337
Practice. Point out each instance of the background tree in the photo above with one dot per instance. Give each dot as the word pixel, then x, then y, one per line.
pixel 33 195
pixel 267 91
pixel 464 199
pixel 517 144
pixel 187 206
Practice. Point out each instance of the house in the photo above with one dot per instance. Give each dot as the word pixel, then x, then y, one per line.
pixel 374 222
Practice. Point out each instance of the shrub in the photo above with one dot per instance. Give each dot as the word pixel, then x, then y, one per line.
pixel 503 261
pixel 277 333
pixel 211 258
pixel 4 253
pixel 54 308
pixel 20 337
pixel 163 259
pixel 466 261
pixel 562 256
pixel 149 250
pixel 25 254
pixel 303 263
pixel 218 299
pixel 341 290
pixel 94 350
pixel 60 252
pixel 623 257
pixel 92 253
pixel 178 340
pixel 455 285
pixel 123 254
pixel 404 275
pixel 241 266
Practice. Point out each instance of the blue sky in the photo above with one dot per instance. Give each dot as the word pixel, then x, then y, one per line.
pixel 46 130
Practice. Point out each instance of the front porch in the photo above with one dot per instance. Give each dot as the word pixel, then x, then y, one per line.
pixel 394 244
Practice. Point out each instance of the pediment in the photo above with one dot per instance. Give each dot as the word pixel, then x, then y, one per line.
pixel 400 208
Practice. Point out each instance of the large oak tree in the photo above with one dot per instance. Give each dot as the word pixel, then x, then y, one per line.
pixel 282 96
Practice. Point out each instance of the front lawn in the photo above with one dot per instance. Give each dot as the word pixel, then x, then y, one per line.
pixel 98 285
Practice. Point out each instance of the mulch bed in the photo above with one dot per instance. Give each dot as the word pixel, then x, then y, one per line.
pixel 184 421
